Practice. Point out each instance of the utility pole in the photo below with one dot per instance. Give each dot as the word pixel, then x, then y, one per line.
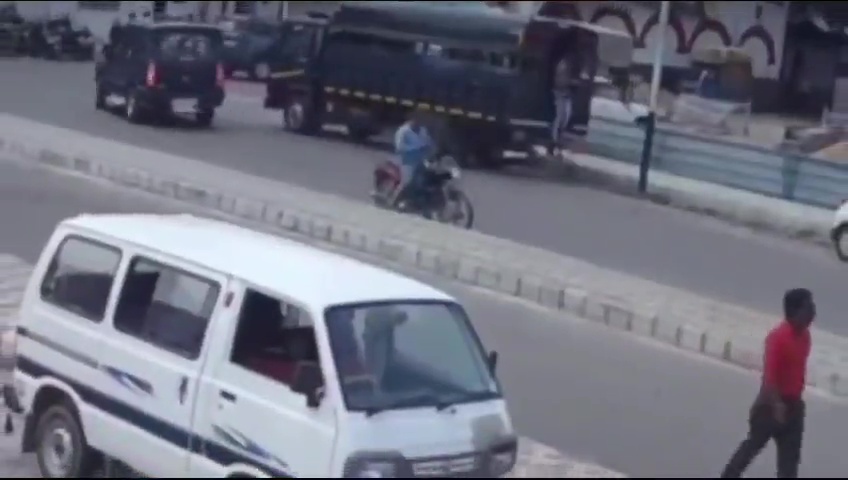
pixel 656 77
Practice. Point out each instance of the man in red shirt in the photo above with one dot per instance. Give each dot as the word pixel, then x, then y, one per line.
pixel 778 412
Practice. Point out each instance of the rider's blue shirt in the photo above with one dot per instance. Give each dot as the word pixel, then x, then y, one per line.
pixel 412 147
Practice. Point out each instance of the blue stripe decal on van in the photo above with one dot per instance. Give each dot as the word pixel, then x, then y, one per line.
pixel 129 381
pixel 125 379
pixel 240 441
pixel 178 436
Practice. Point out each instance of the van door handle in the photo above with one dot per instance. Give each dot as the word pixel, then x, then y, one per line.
pixel 228 396
pixel 183 391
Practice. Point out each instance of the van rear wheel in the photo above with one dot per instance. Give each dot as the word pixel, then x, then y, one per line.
pixel 61 447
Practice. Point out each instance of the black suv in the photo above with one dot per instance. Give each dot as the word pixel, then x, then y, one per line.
pixel 60 38
pixel 154 71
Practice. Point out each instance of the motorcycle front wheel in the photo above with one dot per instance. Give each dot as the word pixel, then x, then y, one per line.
pixel 458 210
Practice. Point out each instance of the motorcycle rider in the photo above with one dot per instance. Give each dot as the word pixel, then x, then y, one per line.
pixel 413 146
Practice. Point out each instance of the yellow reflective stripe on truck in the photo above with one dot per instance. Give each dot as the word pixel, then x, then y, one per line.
pixel 287 74
pixel 409 103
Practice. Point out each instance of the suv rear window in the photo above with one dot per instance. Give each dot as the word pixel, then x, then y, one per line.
pixel 184 45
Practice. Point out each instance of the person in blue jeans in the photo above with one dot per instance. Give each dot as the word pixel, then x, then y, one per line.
pixel 562 93
pixel 413 146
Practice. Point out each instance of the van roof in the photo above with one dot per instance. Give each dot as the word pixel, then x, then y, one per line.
pixel 310 275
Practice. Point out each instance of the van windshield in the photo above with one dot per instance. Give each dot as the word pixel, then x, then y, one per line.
pixel 187 45
pixel 408 354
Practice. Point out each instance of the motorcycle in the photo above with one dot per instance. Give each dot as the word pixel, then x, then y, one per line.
pixel 438 195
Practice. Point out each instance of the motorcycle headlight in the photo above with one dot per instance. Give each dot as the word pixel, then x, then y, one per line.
pixel 371 465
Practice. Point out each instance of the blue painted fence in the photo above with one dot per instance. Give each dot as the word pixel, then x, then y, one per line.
pixel 760 170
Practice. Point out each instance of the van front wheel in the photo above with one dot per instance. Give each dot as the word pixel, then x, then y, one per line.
pixel 61 448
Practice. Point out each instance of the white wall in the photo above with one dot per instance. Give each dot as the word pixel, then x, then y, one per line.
pixel 735 16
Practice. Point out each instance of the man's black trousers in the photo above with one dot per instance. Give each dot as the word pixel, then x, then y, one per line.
pixel 762 427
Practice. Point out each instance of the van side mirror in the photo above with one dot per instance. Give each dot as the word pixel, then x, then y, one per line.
pixel 492 360
pixel 309 381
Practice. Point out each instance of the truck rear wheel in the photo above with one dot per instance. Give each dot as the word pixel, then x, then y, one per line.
pixel 471 156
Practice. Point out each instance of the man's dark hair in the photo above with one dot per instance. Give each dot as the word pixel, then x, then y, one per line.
pixel 795 299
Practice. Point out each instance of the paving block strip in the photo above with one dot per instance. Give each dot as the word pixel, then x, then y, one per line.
pixel 673 316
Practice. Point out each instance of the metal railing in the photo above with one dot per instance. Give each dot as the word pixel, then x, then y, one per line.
pixel 756 169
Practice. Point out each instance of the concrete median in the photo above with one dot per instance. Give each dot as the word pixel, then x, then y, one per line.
pixel 669 315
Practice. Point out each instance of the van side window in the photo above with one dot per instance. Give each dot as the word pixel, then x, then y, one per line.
pixel 273 338
pixel 166 306
pixel 80 276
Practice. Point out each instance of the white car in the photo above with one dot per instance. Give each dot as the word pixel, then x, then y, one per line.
pixel 182 347
pixel 606 103
pixel 839 231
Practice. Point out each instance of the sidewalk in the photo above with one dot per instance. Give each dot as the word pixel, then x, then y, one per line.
pixel 669 315
pixel 776 215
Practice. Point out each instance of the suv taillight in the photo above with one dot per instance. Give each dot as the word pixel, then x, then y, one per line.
pixel 152 75
pixel 219 75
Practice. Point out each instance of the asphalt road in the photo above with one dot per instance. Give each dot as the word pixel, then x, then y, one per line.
pixel 671 247
pixel 599 394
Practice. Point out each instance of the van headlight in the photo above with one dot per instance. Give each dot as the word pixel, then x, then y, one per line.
pixel 502 458
pixel 375 465
pixel 376 470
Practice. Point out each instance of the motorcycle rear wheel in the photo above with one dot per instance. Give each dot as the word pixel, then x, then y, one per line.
pixel 383 193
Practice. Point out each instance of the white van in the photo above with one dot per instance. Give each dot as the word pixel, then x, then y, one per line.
pixel 186 347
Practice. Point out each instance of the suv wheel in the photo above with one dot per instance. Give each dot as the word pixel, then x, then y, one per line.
pixel 134 112
pixel 99 97
pixel 61 448
pixel 204 118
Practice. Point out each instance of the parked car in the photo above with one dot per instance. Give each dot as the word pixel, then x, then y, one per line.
pixel 248 46
pixel 839 231
pixel 12 28
pixel 60 38
pixel 607 103
pixel 158 70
